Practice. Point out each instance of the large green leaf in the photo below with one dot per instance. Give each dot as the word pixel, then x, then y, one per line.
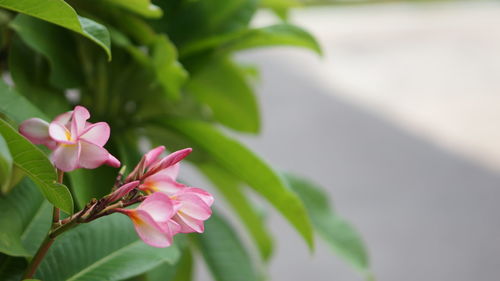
pixel 246 166
pixel 181 271
pixel 11 268
pixel 107 249
pixel 279 34
pixel 339 234
pixel 231 189
pixel 24 220
pixel 141 7
pixel 33 162
pixel 187 21
pixel 11 102
pixel 222 86
pixel 6 163
pixel 88 184
pixel 60 13
pixel 274 35
pixel 170 73
pixel 30 72
pixel 224 253
pixel 56 44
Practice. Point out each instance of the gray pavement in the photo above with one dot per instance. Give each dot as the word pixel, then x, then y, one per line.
pixel 425 214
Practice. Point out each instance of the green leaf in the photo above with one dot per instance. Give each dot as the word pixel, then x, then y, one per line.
pixel 56 44
pixel 11 102
pixel 187 21
pixel 95 183
pixel 141 7
pixel 170 73
pixel 30 72
pixel 181 271
pixel 246 166
pixel 279 34
pixel 224 253
pixel 6 163
pixel 106 249
pixel 11 268
pixel 24 220
pixel 222 86
pixel 60 13
pixel 231 189
pixel 275 35
pixel 339 234
pixel 35 164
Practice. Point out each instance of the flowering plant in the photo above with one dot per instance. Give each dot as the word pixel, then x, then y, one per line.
pixel 85 200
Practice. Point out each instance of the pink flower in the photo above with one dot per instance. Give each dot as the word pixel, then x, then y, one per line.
pixel 152 220
pixel 194 209
pixel 75 142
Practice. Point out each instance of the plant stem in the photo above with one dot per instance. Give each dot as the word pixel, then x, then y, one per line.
pixel 37 259
pixel 49 239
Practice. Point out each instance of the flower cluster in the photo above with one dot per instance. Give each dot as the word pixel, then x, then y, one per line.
pixel 170 207
pixel 167 207
pixel 75 142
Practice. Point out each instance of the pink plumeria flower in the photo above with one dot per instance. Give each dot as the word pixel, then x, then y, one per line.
pixel 75 142
pixel 162 173
pixel 152 220
pixel 194 209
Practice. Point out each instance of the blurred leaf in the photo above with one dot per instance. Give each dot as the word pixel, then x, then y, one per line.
pixel 6 163
pixel 181 271
pixel 339 234
pixel 169 72
pixel 56 45
pixel 30 72
pixel 279 34
pixel 106 249
pixel 224 253
pixel 246 166
pixel 222 86
pixel 275 35
pixel 24 220
pixel 186 21
pixel 232 191
pixel 11 102
pixel 280 7
pixel 11 268
pixel 95 183
pixel 35 164
pixel 141 7
pixel 60 13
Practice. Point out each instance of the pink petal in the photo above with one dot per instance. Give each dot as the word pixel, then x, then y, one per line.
pixel 193 206
pixel 188 224
pixel 175 157
pixel 79 119
pixel 169 160
pixel 60 134
pixel 122 191
pixel 91 155
pixel 152 233
pixel 171 171
pixel 97 133
pixel 202 194
pixel 64 119
pixel 162 183
pixel 153 155
pixel 159 206
pixel 112 161
pixel 36 130
pixel 66 157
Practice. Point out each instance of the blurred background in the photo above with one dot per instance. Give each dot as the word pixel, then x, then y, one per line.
pixel 402 118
